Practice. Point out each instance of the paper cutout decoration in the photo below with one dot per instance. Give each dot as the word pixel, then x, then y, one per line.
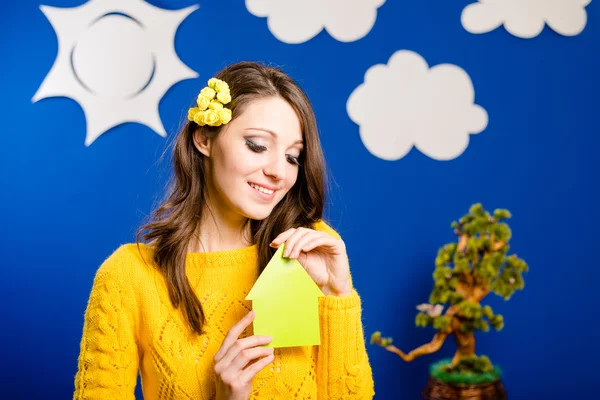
pixel 285 300
pixel 117 59
pixel 526 18
pixel 297 21
pixel 430 108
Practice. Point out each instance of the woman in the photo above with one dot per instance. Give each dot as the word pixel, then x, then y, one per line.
pixel 248 178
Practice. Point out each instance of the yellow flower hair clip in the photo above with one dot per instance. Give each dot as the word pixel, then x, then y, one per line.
pixel 210 102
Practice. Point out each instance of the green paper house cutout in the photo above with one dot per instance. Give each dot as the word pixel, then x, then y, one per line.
pixel 285 300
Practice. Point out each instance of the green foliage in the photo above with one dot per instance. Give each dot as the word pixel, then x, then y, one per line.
pixel 422 320
pixel 470 370
pixel 440 322
pixel 470 310
pixel 381 341
pixel 497 322
pixel 501 214
pixel 510 278
pixel 465 272
pixel 483 262
pixel 476 365
pixel 474 316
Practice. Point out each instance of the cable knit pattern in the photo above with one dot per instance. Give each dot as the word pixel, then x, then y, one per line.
pixel 130 326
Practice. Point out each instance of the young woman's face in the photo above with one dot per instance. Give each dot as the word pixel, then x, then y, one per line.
pixel 254 159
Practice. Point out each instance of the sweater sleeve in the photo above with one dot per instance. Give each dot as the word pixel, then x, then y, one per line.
pixel 108 361
pixel 343 368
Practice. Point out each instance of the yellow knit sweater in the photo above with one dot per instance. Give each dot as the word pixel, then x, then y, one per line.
pixel 130 326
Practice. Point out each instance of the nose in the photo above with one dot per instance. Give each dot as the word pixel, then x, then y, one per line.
pixel 276 167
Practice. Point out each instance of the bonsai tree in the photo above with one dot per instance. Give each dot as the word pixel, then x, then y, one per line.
pixel 465 273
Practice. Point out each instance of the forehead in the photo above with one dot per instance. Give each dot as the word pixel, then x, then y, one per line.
pixel 272 113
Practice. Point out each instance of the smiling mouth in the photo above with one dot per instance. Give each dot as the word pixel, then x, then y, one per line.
pixel 261 189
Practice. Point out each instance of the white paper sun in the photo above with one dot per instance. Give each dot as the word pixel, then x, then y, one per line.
pixel 117 59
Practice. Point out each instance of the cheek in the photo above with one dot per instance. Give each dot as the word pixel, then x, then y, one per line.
pixel 235 164
pixel 292 176
pixel 226 174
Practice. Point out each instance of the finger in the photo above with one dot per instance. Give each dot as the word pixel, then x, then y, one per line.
pixel 292 240
pixel 241 345
pixel 301 244
pixel 233 335
pixel 248 355
pixel 255 368
pixel 325 240
pixel 282 237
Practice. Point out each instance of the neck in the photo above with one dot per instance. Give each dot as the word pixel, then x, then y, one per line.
pixel 220 230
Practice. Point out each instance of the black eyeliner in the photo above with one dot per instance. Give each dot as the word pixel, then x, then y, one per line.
pixel 258 148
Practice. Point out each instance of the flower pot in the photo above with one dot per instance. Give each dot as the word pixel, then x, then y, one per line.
pixel 438 390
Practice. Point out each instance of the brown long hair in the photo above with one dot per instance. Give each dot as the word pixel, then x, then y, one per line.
pixel 172 225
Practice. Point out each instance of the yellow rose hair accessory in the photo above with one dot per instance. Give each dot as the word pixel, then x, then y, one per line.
pixel 209 108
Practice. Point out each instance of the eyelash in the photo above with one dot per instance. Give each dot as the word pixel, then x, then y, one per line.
pixel 259 149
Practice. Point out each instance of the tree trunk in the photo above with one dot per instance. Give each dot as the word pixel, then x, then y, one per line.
pixel 465 345
pixel 428 348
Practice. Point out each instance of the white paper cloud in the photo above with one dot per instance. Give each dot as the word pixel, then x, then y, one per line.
pixel 405 103
pixel 296 21
pixel 526 18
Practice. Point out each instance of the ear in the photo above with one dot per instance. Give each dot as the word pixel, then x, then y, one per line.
pixel 202 142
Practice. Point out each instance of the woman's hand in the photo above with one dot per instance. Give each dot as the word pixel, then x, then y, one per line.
pixel 322 256
pixel 238 360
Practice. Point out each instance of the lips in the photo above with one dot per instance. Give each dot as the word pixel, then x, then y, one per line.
pixel 264 186
pixel 262 195
pixel 262 190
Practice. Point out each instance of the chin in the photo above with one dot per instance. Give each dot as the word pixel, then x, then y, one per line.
pixel 254 212
pixel 258 216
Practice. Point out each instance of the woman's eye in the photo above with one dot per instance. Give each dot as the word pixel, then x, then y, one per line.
pixel 255 147
pixel 293 160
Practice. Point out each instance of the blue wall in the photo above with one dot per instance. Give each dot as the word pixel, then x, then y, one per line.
pixel 66 206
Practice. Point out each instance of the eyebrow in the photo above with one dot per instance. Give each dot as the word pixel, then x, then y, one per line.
pixel 273 134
